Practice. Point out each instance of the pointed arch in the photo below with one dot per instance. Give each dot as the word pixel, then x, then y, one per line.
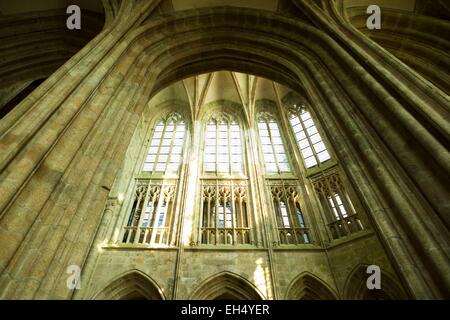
pixel 227 286
pixel 307 286
pixel 131 285
pixel 356 289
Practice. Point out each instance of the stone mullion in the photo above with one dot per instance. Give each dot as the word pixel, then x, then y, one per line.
pixel 146 199
pixel 192 193
pixel 161 199
pixel 165 232
pixel 158 150
pixel 289 213
pixel 331 193
pixel 180 188
pixel 169 155
pixel 268 234
pixel 233 211
pixel 249 161
pixel 311 145
pixel 316 227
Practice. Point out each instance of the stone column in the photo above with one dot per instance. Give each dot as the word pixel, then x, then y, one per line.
pixel 61 148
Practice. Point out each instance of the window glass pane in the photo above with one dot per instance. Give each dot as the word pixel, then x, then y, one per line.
pixel 318 147
pixel 178 142
pixel 271 143
pixel 236 167
pixel 300 135
pixel 282 158
pixel 236 150
pixel 315 138
pixel 161 145
pixel 147 167
pixel 222 167
pixel 160 167
pixel 176 150
pixel 174 167
pixel 295 121
pixel 311 130
pixel 164 150
pixel 150 158
pixel 175 158
pixel 277 140
pixel 307 152
pixel 271 167
pixel 323 156
pixel 308 123
pixel 303 143
pixel 284 167
pixel 279 149
pixel 305 116
pixel 310 162
pixel 284 215
pixel 179 134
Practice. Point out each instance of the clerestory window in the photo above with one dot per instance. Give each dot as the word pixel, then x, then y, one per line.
pixel 274 153
pixel 152 213
pixel 308 138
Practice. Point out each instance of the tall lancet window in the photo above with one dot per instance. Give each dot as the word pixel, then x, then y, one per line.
pixel 224 218
pixel 152 212
pixel 223 146
pixel 341 214
pixel 282 184
pixel 166 146
pixel 308 138
pixel 291 223
pixel 274 153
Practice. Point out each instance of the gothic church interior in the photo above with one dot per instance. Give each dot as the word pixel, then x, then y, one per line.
pixel 224 150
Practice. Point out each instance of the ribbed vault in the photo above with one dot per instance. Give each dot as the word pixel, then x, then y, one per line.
pixel 33 45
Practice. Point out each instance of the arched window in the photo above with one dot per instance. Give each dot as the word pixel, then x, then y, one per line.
pixel 290 220
pixel 153 209
pixel 166 146
pixel 308 138
pixel 223 147
pixel 224 215
pixel 341 214
pixel 274 153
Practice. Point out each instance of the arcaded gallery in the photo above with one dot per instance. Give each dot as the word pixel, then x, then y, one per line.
pixel 225 150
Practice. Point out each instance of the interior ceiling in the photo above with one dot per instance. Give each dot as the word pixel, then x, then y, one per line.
pixel 222 85
pixel 270 5
pixel 404 5
pixel 22 6
pixel 8 7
